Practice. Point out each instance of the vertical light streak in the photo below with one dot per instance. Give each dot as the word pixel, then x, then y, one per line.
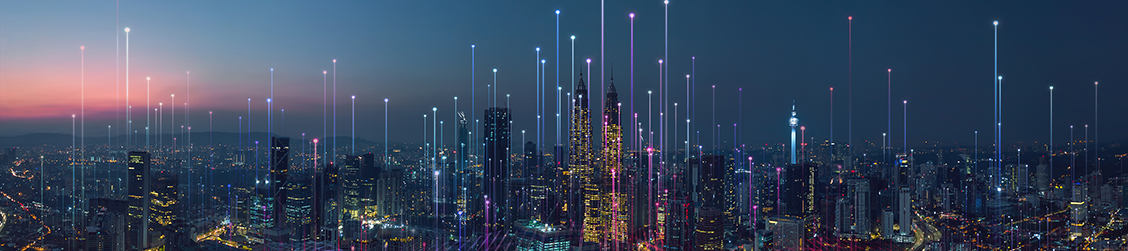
pixel 353 124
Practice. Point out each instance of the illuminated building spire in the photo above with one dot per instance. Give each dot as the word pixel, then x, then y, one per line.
pixel 793 122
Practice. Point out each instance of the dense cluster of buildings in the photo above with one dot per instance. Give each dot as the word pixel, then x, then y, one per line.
pixel 613 184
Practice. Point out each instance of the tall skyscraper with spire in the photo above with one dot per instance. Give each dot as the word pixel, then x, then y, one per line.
pixel 614 206
pixel 793 122
pixel 580 160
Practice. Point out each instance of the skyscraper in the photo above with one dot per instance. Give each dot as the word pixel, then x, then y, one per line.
pixel 299 208
pixel 859 191
pixel 538 186
pixel 138 200
pixel 497 166
pixel 580 160
pixel 711 193
pixel 614 208
pixel 798 197
pixel 279 170
pixel 905 222
pixel 711 180
pixel 163 206
pixel 793 122
pixel 369 173
pixel 350 187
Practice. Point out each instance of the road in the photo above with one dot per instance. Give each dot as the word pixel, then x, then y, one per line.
pixel 923 234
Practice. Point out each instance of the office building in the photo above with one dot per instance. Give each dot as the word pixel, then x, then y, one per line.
pixel 905 210
pixel 279 172
pixel 580 161
pixel 496 138
pixel 139 200
pixel 615 214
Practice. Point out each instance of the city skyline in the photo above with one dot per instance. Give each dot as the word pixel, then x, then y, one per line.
pixel 373 80
pixel 164 154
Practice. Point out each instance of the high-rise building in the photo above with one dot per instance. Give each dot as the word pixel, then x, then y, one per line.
pixel 369 173
pixel 538 186
pixel 138 235
pixel 163 209
pixel 859 189
pixel 108 226
pixel 279 172
pixel 887 224
pixel 710 190
pixel 642 217
pixel 789 232
pixel 539 236
pixel 163 206
pixel 581 160
pixel 793 122
pixel 350 187
pixel 710 230
pixel 497 121
pixel 905 211
pixel 328 209
pixel 1042 176
pixel 843 218
pixel 299 207
pixel 616 215
pixel 798 194
pixel 1078 212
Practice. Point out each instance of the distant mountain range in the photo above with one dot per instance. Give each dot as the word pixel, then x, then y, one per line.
pixel 199 138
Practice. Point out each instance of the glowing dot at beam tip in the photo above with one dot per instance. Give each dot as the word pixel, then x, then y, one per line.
pixel 889 70
pixel 538 48
pixel 849 17
pixel 666 2
pixel 146 78
pixel 495 69
pixel 271 69
pixel 82 47
pixel 385 100
pixel 589 60
pixel 1000 77
pixel 72 115
pixel 434 108
pixel 471 46
pixel 353 96
pixel 632 15
pixel 334 60
pixel 557 12
pixel 996 22
pixel 324 72
pixel 126 29
pixel 906 101
pixel 659 61
pixel 573 37
pixel 1051 87
pixel 686 75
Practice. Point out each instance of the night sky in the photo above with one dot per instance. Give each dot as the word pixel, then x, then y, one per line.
pixel 417 54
